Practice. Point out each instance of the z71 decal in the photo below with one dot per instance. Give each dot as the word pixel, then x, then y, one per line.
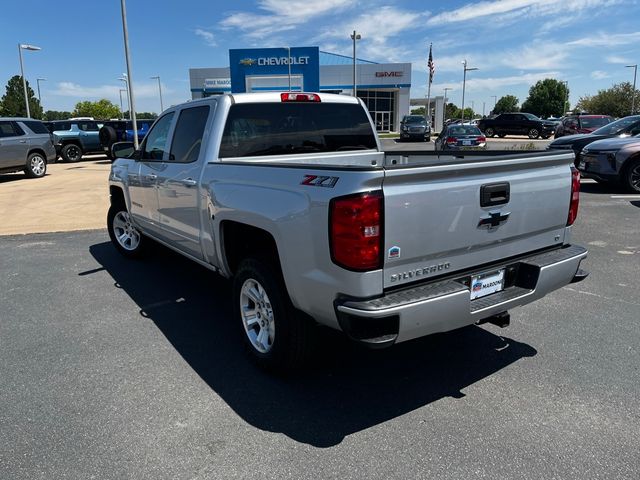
pixel 319 181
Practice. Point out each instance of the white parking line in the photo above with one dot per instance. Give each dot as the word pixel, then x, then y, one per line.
pixel 625 196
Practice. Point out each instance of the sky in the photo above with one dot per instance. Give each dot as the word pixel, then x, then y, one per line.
pixel 513 43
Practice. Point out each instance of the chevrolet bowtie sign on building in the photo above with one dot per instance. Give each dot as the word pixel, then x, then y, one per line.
pixel 260 69
pixel 383 87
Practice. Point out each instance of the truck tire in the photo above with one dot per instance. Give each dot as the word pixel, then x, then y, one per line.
pixel 489 132
pixel 276 336
pixel 108 136
pixel 631 176
pixel 533 133
pixel 36 166
pixel 71 153
pixel 124 236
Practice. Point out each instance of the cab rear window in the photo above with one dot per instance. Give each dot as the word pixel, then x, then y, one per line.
pixel 260 129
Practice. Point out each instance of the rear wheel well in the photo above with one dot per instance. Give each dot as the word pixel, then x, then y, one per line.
pixel 71 142
pixel 242 241
pixel 38 151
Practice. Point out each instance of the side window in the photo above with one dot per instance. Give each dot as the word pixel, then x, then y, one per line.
pixel 187 137
pixel 36 127
pixel 156 140
pixel 88 126
pixel 7 130
pixel 506 117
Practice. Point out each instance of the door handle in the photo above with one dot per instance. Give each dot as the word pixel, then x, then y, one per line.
pixel 190 182
pixel 493 194
pixel 22 141
pixel 152 176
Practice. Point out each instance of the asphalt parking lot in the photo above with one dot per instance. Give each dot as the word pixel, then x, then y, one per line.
pixel 117 369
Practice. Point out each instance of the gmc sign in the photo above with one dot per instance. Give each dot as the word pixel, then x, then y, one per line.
pixel 389 74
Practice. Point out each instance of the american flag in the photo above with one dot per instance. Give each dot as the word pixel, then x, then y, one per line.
pixel 432 67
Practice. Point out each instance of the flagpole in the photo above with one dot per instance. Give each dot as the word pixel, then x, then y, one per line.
pixel 427 113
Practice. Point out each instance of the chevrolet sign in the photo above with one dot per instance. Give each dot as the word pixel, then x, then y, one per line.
pixel 264 61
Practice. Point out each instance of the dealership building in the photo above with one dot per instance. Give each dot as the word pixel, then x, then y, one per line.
pixel 383 87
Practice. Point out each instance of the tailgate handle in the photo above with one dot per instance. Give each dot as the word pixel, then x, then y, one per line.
pixel 493 194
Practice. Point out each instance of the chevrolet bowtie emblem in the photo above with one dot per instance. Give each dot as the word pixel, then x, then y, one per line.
pixel 247 61
pixel 494 220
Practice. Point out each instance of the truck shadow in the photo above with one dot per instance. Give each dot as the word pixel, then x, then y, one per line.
pixel 610 187
pixel 346 390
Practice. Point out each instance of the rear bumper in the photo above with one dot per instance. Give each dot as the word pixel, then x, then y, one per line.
pixel 442 306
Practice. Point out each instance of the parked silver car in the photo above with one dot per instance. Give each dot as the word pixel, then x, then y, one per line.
pixel 25 144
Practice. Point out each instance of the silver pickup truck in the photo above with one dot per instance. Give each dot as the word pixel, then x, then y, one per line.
pixel 292 196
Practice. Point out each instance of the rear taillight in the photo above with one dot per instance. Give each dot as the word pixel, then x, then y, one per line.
pixel 355 230
pixel 575 196
pixel 299 97
pixel 452 140
pixel 482 139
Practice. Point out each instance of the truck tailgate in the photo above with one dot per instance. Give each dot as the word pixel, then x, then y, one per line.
pixel 435 222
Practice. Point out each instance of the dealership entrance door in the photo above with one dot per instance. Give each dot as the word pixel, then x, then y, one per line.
pixel 383 121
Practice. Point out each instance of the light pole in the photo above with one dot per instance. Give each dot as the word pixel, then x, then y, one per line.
pixel 464 81
pixel 495 101
pixel 132 106
pixel 157 77
pixel 483 105
pixel 566 97
pixel 355 36
pixel 633 93
pixel 22 46
pixel 126 84
pixel 444 110
pixel 38 80
pixel 121 109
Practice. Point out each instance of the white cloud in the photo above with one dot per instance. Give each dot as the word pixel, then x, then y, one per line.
pixel 617 60
pixel 495 83
pixel 377 28
pixel 602 39
pixel 599 75
pixel 207 36
pixel 111 92
pixel 513 9
pixel 282 15
pixel 543 57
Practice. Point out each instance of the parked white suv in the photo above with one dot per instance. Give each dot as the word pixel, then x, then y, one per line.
pixel 25 144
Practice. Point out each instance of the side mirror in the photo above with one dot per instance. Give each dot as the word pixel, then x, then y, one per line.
pixel 122 150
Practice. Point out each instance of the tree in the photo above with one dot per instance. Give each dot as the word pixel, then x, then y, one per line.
pixel 614 101
pixel 508 103
pixel 144 115
pixel 12 103
pixel 102 109
pixel 452 111
pixel 417 111
pixel 56 115
pixel 546 98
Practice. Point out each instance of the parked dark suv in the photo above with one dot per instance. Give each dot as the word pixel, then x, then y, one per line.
pixel 574 124
pixel 516 124
pixel 415 127
pixel 121 131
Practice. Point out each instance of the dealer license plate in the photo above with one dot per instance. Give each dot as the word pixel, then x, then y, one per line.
pixel 466 142
pixel 486 284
